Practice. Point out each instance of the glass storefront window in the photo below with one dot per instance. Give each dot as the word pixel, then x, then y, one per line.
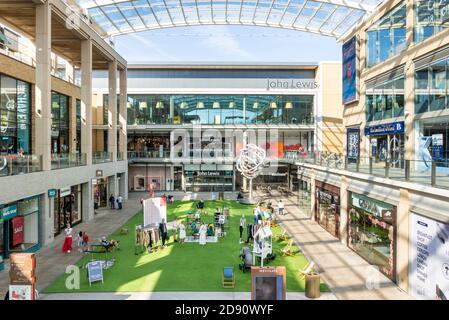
pixel 387 37
pixel 59 123
pixel 385 100
pixel 431 17
pixel 27 219
pixel 328 210
pixel 438 132
pixel 371 231
pixel 220 109
pixel 68 208
pixel 305 197
pixel 15 119
pixel 431 87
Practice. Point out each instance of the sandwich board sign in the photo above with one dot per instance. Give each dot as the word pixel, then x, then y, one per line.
pixel 94 272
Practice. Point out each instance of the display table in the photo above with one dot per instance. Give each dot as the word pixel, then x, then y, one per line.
pixel 312 285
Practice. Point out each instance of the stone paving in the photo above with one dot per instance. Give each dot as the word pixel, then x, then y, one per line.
pixel 344 271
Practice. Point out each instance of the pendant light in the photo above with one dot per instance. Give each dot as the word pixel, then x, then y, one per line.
pixel 288 105
pixel 231 105
pixel 273 105
pixel 256 105
pixel 216 105
pixel 184 105
pixel 200 105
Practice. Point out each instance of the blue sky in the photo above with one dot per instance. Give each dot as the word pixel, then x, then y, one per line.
pixel 227 44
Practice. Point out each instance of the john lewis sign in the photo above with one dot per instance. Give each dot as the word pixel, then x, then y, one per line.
pixel 291 84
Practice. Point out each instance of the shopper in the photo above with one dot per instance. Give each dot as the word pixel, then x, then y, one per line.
pixel 67 245
pixel 163 231
pixel 79 240
pixel 242 225
pixel 112 201
pixel 85 242
pixel 120 202
pixel 281 207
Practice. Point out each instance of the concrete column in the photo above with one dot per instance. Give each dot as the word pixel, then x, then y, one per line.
pixel 312 195
pixel 409 87
pixel 113 186
pixel 344 210
pixel 112 110
pixel 86 99
pixel 123 185
pixel 42 112
pixel 172 177
pixel 88 201
pixel 123 113
pixel 402 239
pixel 46 220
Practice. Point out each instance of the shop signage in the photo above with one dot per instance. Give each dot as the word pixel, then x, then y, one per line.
pixel 353 144
pixel 17 224
pixel 94 182
pixel 377 208
pixel 349 71
pixel 99 173
pixel 9 212
pixel 429 270
pixel 65 192
pixel 94 272
pixel 52 193
pixel 383 129
pixel 291 84
pixel 21 292
pixel 208 173
pixel 437 147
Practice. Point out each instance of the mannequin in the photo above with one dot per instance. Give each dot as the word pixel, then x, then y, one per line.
pixel 203 230
pixel 67 245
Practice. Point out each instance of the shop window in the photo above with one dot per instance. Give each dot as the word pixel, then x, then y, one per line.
pixel 387 37
pixel 24 228
pixel 59 123
pixel 385 100
pixel 431 17
pixel 15 119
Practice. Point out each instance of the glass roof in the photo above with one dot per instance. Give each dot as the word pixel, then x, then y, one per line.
pixel 326 17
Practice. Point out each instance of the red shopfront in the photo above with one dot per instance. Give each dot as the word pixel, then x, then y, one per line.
pixel 327 207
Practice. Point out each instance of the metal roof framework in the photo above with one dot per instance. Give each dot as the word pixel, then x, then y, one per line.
pixel 325 17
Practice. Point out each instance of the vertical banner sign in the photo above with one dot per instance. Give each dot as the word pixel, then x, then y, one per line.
pixel 154 210
pixel 437 147
pixel 349 71
pixel 429 255
pixel 17 230
pixel 353 143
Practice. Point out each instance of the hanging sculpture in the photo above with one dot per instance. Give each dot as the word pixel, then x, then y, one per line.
pixel 250 163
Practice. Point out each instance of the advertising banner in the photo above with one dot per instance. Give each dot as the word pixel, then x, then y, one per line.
pixel 437 147
pixel 8 212
pixel 353 143
pixel 350 71
pixel 154 210
pixel 17 230
pixel 429 256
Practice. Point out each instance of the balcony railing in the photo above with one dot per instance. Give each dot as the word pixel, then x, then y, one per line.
pixel 431 172
pixel 152 154
pixel 68 160
pixel 101 157
pixel 11 165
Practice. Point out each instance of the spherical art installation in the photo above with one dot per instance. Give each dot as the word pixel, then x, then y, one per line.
pixel 250 163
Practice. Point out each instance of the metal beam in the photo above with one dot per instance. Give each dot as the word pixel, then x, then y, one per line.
pixel 169 14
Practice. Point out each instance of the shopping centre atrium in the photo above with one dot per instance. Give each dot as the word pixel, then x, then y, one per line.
pixel 331 176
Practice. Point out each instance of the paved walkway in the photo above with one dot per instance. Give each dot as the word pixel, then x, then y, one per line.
pixel 51 262
pixel 344 271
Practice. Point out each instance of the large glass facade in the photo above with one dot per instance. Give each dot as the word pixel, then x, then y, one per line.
pixel 220 109
pixel 386 37
pixel 15 119
pixel 431 17
pixel 59 123
pixel 78 126
pixel 385 100
pixel 431 89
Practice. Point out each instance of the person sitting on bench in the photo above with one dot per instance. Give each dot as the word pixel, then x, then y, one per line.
pixel 107 245
pixel 247 259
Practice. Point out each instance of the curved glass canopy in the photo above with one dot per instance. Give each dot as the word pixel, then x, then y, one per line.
pixel 326 17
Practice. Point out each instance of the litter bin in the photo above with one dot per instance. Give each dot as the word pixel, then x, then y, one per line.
pixel 312 285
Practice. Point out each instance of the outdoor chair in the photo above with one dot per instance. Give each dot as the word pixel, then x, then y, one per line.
pixel 288 250
pixel 228 277
pixel 283 236
pixel 308 269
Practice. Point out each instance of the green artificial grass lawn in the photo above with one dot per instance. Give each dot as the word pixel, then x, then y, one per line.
pixel 188 266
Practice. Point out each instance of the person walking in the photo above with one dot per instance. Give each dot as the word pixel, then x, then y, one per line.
pixel 79 240
pixel 85 242
pixel 281 207
pixel 67 245
pixel 112 201
pixel 163 230
pixel 242 225
pixel 120 202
